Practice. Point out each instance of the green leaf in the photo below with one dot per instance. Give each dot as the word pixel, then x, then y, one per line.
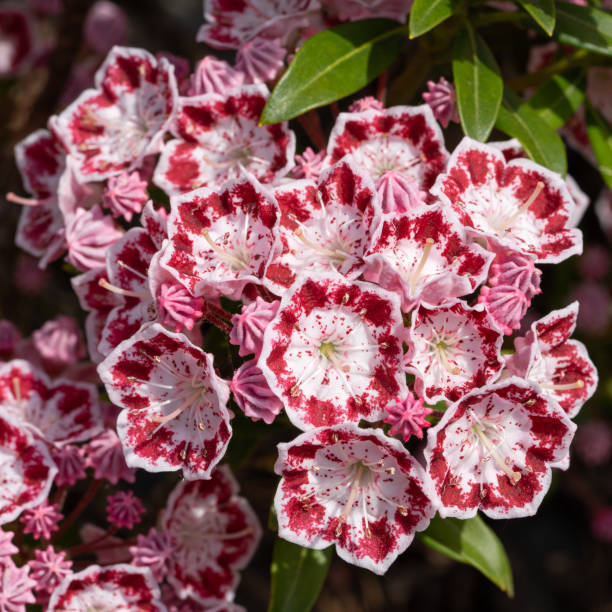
pixel 473 542
pixel 558 98
pixel 600 137
pixel 543 13
pixel 519 120
pixel 478 84
pixel 297 576
pixel 585 27
pixel 426 14
pixel 334 64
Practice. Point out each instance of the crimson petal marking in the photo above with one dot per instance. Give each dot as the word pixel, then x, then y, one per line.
pixel 174 405
pixel 26 470
pixel 524 206
pixel 356 488
pixel 455 348
pixel 114 127
pixel 404 139
pixel 333 352
pixel 493 450
pixel 424 255
pixel 120 587
pixel 330 225
pixel 58 411
pixel 219 139
pixel 219 241
pixel 215 533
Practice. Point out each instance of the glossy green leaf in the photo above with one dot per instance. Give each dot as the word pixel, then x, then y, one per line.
pixel 478 84
pixel 543 13
pixel 558 99
pixel 427 14
pixel 519 120
pixel 584 26
pixel 600 137
pixel 297 576
pixel 473 542
pixel 334 64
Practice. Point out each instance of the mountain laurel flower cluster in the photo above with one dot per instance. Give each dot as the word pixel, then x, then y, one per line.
pixel 366 295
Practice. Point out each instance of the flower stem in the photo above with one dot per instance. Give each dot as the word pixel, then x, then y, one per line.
pixel 71 518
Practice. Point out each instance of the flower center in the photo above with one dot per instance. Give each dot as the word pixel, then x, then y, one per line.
pixel 492 451
pixel 504 224
pixel 237 258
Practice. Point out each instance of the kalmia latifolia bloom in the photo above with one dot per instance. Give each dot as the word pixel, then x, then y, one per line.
pixel 124 509
pixel 174 405
pixel 215 533
pixel 49 568
pixel 249 326
pixel 333 352
pixel 253 394
pixel 407 417
pixel 113 127
pixel 41 520
pixel 354 488
pixel 221 240
pixel 113 587
pixel 493 450
pixel 218 137
pixel 525 207
pixel 15 587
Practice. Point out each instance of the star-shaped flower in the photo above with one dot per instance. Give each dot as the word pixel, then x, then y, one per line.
pixel 174 405
pixel 407 417
pixel 354 488
pixel 493 450
pixel 333 352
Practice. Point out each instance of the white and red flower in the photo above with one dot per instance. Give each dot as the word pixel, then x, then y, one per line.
pixel 221 240
pixel 560 366
pixel 58 411
pixel 26 467
pixel 454 348
pixel 493 450
pixel 327 226
pixel 215 533
pixel 121 587
pixel 174 405
pixel 354 488
pixel 230 24
pixel 424 255
pixel 218 138
pixel 333 353
pixel 524 206
pixel 113 127
pixel 403 139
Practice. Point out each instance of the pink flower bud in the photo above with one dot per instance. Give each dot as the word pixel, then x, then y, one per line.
pixel 517 270
pixel 309 164
pixel 366 103
pixel 261 59
pixel 398 193
pixel 408 417
pixel 506 304
pixel 106 25
pixel 105 456
pixel 89 234
pixel 154 550
pixel 124 509
pixel 214 76
pixel 49 568
pixel 41 520
pixel 70 461
pixel 125 195
pixel 60 341
pixel 252 393
pixel 441 99
pixel 249 326
pixel 180 308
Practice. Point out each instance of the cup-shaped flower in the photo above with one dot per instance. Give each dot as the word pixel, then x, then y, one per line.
pixel 112 587
pixel 522 205
pixel 174 405
pixel 215 533
pixel 352 487
pixel 453 349
pixel 221 240
pixel 493 450
pixel 333 353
